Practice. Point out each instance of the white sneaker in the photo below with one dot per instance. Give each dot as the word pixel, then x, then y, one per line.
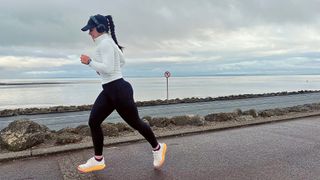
pixel 92 165
pixel 159 156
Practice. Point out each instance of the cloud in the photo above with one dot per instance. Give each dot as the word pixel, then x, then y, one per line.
pixel 11 62
pixel 212 35
pixel 45 72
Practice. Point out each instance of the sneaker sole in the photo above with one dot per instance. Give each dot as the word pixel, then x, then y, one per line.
pixel 94 168
pixel 163 157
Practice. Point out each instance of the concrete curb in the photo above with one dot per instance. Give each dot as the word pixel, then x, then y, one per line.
pixel 131 139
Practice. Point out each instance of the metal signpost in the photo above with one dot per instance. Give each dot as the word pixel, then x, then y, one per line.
pixel 167 74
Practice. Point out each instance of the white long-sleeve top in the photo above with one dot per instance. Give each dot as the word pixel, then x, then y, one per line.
pixel 108 59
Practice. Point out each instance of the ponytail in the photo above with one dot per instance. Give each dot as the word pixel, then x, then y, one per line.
pixel 110 25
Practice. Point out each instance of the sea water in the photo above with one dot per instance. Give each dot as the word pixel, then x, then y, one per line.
pixel 22 93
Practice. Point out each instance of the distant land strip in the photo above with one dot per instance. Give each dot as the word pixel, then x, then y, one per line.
pixel 32 83
pixel 62 109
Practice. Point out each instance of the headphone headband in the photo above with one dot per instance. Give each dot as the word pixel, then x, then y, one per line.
pixel 101 27
pixel 94 20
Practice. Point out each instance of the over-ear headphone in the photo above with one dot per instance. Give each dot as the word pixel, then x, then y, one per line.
pixel 100 27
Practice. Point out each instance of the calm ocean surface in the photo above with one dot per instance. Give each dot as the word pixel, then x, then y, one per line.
pixel 22 93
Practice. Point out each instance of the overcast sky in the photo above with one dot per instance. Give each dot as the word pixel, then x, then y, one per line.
pixel 187 37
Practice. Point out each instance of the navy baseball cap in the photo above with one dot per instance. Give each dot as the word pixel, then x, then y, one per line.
pixel 95 21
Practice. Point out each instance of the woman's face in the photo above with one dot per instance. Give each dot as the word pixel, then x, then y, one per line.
pixel 94 33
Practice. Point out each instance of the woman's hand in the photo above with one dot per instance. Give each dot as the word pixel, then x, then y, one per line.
pixel 85 59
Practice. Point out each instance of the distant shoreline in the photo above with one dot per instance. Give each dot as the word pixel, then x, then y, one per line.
pixel 63 109
pixel 32 83
pixel 61 80
pixel 157 76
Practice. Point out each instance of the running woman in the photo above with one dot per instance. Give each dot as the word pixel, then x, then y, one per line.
pixel 117 94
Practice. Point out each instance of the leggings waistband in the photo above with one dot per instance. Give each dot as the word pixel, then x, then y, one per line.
pixel 112 83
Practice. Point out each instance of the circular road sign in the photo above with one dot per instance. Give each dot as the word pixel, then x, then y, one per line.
pixel 167 74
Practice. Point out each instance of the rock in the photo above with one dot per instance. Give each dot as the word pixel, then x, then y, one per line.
pixel 245 118
pixel 265 113
pixel 68 130
pixel 23 134
pixel 69 108
pixel 123 127
pixel 280 112
pixel 315 106
pixel 109 129
pixel 251 112
pixel 83 130
pixel 67 138
pixel 238 112
pixel 188 120
pixel 31 111
pixel 146 121
pixel 61 109
pixel 7 112
pixel 147 118
pixel 299 108
pixel 50 136
pixel 219 117
pixel 44 111
pixel 273 112
pixel 160 122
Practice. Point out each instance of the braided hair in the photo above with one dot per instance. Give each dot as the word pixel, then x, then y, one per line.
pixel 110 26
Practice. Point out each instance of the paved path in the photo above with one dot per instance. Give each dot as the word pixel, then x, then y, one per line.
pixel 283 150
pixel 60 120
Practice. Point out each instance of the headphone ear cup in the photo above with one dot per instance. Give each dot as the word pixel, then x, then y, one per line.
pixel 101 28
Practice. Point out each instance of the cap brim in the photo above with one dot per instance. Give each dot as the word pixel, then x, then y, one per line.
pixel 86 28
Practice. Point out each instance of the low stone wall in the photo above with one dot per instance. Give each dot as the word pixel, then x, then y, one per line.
pixel 23 134
pixel 61 109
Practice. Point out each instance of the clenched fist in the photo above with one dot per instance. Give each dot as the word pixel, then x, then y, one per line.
pixel 85 59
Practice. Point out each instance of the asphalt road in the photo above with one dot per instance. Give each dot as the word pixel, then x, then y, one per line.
pixel 60 120
pixel 283 150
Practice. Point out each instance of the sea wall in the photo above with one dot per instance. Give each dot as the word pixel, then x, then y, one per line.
pixel 23 134
pixel 61 109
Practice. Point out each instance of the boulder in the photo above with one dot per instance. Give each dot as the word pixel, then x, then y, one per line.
pixel 109 129
pixel 280 112
pixel 188 120
pixel 147 118
pixel 299 108
pixel 238 112
pixel 146 121
pixel 315 106
pixel 83 130
pixel 23 134
pixel 266 113
pixel 219 117
pixel 67 138
pixel 160 122
pixel 68 130
pixel 31 111
pixel 273 112
pixel 44 111
pixel 123 127
pixel 7 112
pixel 251 112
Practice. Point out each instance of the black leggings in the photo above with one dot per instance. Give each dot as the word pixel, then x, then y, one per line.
pixel 117 95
